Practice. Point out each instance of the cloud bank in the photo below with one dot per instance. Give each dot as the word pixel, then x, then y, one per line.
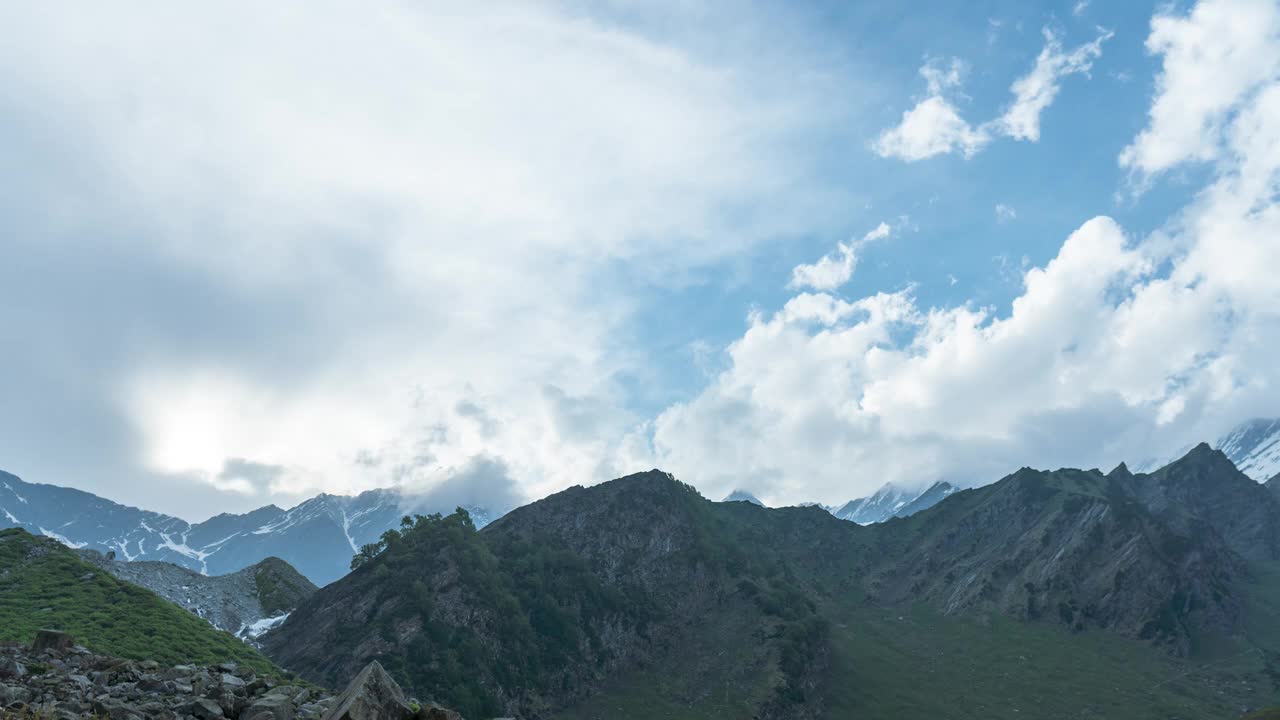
pixel 1119 348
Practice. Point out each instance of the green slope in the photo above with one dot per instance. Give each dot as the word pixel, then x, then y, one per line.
pixel 45 585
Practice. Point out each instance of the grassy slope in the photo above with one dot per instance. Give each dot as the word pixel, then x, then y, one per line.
pixel 44 585
pixel 916 664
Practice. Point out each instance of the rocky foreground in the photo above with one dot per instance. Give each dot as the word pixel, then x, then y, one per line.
pixel 57 679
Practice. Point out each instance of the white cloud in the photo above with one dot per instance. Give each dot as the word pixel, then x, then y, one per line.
pixel 1079 8
pixel 1119 348
pixel 1005 213
pixel 347 224
pixel 934 126
pixel 1035 91
pixel 834 270
pixel 1219 53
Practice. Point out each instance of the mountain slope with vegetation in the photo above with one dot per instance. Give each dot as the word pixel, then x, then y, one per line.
pixel 551 601
pixel 46 585
pixel 638 596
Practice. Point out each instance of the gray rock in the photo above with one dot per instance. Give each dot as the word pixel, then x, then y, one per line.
pixel 10 668
pixel 270 707
pixel 52 641
pixel 372 695
pixel 205 709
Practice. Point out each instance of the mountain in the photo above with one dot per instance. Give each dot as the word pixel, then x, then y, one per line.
pixel 638 598
pixel 742 496
pixel 317 537
pixel 1205 486
pixel 245 603
pixel 932 495
pixel 552 601
pixel 1254 447
pixel 1087 550
pixel 45 584
pixel 892 501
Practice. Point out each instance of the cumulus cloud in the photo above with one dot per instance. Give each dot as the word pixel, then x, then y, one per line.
pixel 834 270
pixel 934 126
pixel 1005 213
pixel 1119 348
pixel 1220 52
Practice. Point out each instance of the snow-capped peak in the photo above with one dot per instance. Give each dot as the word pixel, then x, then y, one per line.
pixel 1254 447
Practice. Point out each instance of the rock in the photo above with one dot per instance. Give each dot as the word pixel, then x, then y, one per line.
pixel 52 641
pixel 232 681
pixel 372 695
pixel 11 669
pixel 273 706
pixel 204 709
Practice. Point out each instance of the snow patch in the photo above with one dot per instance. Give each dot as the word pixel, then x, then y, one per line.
pixel 15 493
pixel 254 630
pixel 65 541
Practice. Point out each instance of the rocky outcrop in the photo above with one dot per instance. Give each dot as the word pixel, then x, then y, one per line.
pixel 245 603
pixel 57 679
pixel 372 695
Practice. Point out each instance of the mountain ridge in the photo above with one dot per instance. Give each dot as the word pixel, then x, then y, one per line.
pixel 317 536
pixel 642 573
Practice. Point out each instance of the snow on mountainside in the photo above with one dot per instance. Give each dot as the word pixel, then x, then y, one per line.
pixel 1254 447
pixel 318 536
pixel 892 501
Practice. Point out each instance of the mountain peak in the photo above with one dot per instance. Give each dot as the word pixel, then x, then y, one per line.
pixel 743 496
pixel 1120 471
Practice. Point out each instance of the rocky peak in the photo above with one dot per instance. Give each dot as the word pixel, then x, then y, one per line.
pixel 1205 485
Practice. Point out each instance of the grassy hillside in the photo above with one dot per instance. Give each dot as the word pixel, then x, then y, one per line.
pixel 45 585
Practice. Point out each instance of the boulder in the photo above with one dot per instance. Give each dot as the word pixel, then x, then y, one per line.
pixel 52 641
pixel 11 668
pixel 204 709
pixel 372 695
pixel 272 706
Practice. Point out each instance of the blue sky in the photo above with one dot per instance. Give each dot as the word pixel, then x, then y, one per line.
pixel 246 257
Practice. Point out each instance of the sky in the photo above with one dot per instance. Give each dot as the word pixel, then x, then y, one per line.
pixel 251 253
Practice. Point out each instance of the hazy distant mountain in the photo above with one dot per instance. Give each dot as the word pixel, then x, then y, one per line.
pixel 892 501
pixel 317 537
pixel 742 496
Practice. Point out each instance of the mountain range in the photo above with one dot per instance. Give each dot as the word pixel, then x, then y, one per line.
pixel 1137 595
pixel 317 537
